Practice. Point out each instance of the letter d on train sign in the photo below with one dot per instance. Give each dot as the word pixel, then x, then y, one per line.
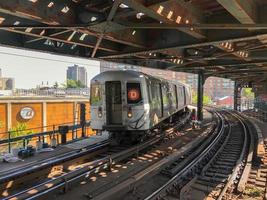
pixel 26 113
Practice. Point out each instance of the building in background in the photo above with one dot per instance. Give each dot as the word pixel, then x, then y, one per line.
pixel 6 83
pixel 78 74
pixel 226 102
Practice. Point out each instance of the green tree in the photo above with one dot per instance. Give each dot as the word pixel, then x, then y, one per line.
pixel 247 92
pixel 73 84
pixel 20 130
pixel 206 99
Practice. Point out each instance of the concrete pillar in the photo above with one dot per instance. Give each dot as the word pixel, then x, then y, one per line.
pixel 44 116
pixel 237 97
pixel 9 116
pixel 200 91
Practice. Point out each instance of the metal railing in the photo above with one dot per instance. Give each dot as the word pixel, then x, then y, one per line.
pixel 57 92
pixel 74 133
pixel 257 113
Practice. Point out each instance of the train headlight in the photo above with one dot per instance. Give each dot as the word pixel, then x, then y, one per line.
pixel 100 112
pixel 130 113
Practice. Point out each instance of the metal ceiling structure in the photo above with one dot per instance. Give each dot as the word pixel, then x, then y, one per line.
pixel 225 38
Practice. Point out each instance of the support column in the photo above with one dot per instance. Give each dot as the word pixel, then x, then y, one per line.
pixel 200 90
pixel 237 97
pixel 44 117
pixel 9 116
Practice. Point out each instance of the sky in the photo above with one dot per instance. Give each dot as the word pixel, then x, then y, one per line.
pixel 30 68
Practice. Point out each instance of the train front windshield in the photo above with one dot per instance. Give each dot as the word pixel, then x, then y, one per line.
pixel 134 95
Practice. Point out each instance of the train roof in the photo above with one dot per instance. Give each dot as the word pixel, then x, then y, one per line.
pixel 131 74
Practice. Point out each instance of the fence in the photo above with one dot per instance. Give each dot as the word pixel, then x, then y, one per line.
pixel 257 113
pixel 52 92
pixel 74 132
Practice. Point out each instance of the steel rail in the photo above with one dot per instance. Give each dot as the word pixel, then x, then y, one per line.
pixel 164 189
pixel 33 167
pixel 64 180
pixel 239 162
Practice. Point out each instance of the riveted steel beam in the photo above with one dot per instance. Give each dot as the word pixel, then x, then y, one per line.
pixel 153 14
pixel 109 19
pixel 190 45
pixel 58 39
pixel 243 11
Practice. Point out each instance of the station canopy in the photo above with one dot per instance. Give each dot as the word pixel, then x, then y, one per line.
pixel 217 37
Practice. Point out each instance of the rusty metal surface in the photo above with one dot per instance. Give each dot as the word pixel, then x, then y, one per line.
pixel 214 36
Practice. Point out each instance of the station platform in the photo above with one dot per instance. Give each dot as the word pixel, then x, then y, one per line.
pixel 61 150
pixel 42 157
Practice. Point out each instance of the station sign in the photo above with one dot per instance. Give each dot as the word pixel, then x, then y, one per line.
pixel 27 113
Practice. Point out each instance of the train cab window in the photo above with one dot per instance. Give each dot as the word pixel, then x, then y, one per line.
pixel 134 95
pixel 96 94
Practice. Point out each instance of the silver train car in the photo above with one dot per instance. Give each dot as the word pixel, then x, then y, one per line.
pixel 130 101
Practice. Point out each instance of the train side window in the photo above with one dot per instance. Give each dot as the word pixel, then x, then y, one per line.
pixel 165 96
pixel 134 95
pixel 96 94
pixel 155 94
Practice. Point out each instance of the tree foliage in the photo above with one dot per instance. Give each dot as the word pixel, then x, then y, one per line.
pixel 247 93
pixel 20 130
pixel 73 84
pixel 206 99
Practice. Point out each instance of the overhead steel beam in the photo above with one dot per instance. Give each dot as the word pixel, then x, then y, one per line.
pixel 151 13
pixel 234 64
pixel 127 25
pixel 178 7
pixel 201 44
pixel 195 26
pixel 60 40
pixel 243 11
pixel 238 71
pixel 53 34
pixel 39 11
pixel 110 17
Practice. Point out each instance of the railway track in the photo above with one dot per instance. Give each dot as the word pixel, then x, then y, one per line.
pixel 103 161
pixel 128 182
pixel 34 172
pixel 216 178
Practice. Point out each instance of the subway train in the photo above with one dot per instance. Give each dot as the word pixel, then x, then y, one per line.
pixel 130 103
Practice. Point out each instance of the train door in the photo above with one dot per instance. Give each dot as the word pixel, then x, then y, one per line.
pixel 113 102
